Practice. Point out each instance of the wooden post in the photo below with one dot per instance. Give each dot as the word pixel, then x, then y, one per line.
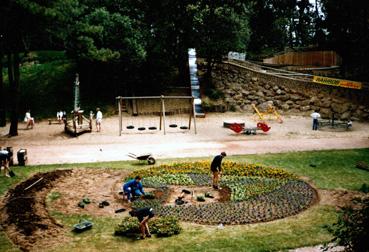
pixel 193 114
pixel 163 110
pixel 189 121
pixel 161 117
pixel 120 115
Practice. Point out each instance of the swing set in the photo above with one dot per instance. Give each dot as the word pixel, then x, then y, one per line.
pixel 163 113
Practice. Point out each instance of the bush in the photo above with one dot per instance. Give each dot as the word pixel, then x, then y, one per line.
pixel 128 227
pixel 161 226
pixel 165 226
pixel 352 227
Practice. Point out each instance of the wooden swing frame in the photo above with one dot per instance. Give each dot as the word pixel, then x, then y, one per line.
pixel 162 112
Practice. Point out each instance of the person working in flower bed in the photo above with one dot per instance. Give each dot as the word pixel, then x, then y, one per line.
pixel 143 215
pixel 133 188
pixel 216 169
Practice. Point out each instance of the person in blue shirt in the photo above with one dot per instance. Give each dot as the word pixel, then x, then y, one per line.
pixel 133 188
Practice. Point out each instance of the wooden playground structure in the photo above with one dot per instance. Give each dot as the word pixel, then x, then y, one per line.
pixel 166 113
pixel 78 124
pixel 268 114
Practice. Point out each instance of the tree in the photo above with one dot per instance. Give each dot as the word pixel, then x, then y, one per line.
pixel 348 33
pixel 220 27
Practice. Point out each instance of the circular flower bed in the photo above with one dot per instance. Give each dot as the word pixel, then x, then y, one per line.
pixel 257 193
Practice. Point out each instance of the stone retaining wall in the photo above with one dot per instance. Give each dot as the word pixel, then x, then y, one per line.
pixel 242 87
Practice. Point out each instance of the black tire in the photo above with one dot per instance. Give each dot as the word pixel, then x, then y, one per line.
pixel 151 161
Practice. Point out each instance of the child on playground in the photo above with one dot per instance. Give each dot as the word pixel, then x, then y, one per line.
pixel 216 169
pixel 99 117
pixel 29 120
pixel 59 116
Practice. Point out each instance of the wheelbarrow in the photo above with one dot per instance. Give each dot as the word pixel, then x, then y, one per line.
pixel 148 157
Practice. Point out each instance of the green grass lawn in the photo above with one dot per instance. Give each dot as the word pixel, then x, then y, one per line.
pixel 334 170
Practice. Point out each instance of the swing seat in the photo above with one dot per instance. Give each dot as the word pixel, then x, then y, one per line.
pixel 173 125
pixel 130 127
pixel 183 127
pixel 141 128
pixel 152 128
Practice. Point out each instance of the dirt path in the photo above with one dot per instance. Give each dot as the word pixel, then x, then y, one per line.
pixel 47 144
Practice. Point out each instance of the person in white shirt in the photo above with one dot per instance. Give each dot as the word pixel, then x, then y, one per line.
pixel 315 115
pixel 99 117
pixel 4 161
pixel 59 116
pixel 29 120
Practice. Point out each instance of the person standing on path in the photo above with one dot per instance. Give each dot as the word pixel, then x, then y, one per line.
pixel 315 115
pixel 99 117
pixel 216 169
pixel 4 161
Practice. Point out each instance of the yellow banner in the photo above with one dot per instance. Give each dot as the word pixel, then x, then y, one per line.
pixel 337 82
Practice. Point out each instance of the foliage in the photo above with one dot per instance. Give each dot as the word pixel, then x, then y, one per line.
pixel 243 188
pixel 165 226
pixel 347 26
pixel 305 229
pixel 128 227
pixel 352 228
pixel 258 193
pixel 161 226
pixel 364 188
pixel 228 168
pixel 53 196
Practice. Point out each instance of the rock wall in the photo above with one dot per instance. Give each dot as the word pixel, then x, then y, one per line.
pixel 242 87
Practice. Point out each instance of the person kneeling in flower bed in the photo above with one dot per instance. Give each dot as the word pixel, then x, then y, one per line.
pixel 133 188
pixel 143 215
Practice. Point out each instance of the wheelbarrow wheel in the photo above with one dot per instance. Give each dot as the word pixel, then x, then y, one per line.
pixel 151 160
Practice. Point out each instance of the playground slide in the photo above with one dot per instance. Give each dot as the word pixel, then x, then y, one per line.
pixel 195 84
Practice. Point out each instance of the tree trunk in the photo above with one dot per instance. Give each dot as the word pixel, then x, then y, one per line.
pixel 2 103
pixel 13 73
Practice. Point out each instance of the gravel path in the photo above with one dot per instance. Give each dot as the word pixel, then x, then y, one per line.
pixel 48 144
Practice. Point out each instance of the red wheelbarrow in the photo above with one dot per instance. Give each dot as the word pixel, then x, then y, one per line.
pixel 238 128
pixel 148 157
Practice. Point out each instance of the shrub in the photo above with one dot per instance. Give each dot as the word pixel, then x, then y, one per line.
pixel 128 227
pixel 165 226
pixel 352 227
pixel 161 226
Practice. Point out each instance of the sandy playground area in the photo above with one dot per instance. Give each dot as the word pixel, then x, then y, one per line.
pixel 48 144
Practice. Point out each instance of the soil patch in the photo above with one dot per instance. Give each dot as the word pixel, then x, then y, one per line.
pixel 191 199
pixel 95 184
pixel 24 216
pixel 338 198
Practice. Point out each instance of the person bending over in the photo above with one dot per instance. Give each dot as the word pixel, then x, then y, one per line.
pixel 216 169
pixel 133 188
pixel 143 215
